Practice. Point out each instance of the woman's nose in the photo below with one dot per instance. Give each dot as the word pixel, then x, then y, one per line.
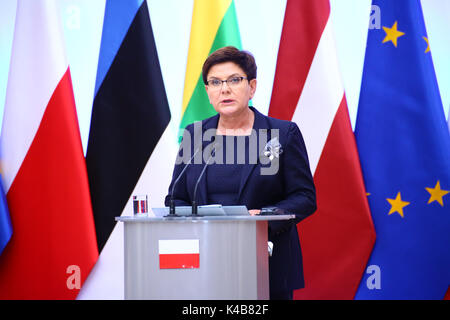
pixel 225 87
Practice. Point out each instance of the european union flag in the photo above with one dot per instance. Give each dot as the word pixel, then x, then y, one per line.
pixel 5 222
pixel 404 148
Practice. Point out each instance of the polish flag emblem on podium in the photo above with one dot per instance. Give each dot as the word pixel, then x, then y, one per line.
pixel 179 254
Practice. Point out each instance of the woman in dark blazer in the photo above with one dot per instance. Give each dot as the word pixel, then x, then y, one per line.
pixel 268 168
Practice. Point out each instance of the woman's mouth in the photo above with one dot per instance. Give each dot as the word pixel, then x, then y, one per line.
pixel 227 101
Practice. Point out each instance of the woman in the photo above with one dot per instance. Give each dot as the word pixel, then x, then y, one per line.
pixel 276 176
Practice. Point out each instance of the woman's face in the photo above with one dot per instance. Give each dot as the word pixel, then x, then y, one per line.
pixel 229 99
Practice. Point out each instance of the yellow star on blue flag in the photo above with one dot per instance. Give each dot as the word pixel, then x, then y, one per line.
pixel 437 194
pixel 397 205
pixel 392 34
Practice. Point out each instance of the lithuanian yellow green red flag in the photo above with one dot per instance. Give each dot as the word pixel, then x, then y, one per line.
pixel 214 25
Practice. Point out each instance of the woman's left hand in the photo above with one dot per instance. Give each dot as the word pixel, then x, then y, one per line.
pixel 254 212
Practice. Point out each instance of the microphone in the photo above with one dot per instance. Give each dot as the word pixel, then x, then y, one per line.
pixel 194 202
pixel 172 213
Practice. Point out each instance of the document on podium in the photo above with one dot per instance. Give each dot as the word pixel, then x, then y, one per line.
pixel 206 210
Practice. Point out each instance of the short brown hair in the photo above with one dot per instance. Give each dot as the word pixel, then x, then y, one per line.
pixel 243 59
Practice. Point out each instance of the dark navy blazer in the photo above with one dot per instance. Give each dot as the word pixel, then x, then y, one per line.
pixel 291 190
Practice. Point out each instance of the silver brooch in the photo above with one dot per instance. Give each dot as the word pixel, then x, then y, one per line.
pixel 273 149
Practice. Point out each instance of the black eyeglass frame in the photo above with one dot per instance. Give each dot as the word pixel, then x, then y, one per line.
pixel 228 81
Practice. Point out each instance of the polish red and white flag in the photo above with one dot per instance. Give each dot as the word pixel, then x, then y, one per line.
pixel 179 254
pixel 337 240
pixel 53 246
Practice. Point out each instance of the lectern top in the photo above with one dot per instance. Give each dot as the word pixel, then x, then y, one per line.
pixel 205 218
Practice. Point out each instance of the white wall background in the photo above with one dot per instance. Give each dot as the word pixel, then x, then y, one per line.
pixel 260 23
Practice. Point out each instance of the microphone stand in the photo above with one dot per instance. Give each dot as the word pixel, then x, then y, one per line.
pixel 172 213
pixel 194 213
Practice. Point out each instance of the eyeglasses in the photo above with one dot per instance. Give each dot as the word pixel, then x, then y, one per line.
pixel 231 82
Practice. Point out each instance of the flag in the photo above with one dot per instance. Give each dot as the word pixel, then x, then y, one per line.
pixel 129 116
pixel 53 246
pixel 337 240
pixel 179 254
pixel 404 147
pixel 448 120
pixel 130 110
pixel 5 220
pixel 214 25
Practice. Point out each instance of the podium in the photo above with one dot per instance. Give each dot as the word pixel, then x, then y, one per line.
pixel 207 257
